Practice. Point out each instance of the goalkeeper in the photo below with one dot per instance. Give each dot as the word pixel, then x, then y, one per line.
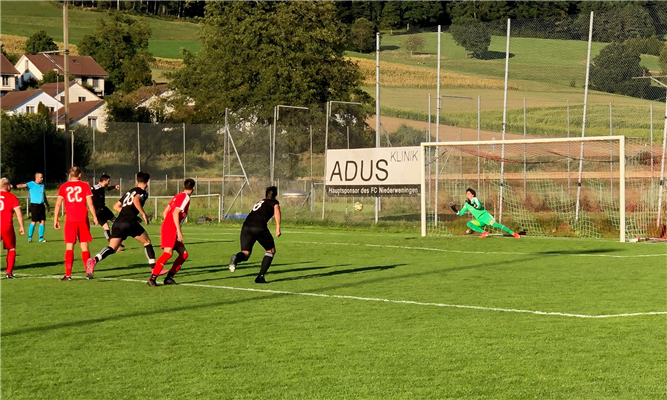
pixel 482 217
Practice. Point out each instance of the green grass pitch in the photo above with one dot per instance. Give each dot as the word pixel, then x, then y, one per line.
pixel 347 314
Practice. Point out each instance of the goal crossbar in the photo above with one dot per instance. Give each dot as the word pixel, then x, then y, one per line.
pixel 581 140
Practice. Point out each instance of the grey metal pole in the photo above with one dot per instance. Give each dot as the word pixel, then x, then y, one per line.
pixel 583 124
pixel 524 150
pixel 326 147
pixel 94 155
pixel 312 193
pixel 377 108
pixel 611 158
pixel 662 167
pixel 569 159
pixel 184 150
pixel 479 131
pixel 438 106
pixel 138 149
pixel 502 148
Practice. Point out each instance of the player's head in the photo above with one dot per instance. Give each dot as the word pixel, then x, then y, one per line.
pixel 104 180
pixel 75 172
pixel 271 192
pixel 5 185
pixel 39 177
pixel 470 193
pixel 188 185
pixel 143 178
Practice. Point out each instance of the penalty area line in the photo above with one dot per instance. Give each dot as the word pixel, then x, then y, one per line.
pixel 375 299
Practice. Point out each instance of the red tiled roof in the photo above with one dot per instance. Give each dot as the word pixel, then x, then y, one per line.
pixel 145 92
pixel 13 99
pixel 52 89
pixel 6 67
pixel 78 65
pixel 78 110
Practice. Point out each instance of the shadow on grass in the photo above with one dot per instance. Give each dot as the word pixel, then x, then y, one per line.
pixel 576 252
pixel 40 265
pixel 170 310
pixel 255 270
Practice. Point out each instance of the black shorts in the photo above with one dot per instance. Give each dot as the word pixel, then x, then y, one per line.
pixel 250 235
pixel 37 212
pixel 123 229
pixel 104 215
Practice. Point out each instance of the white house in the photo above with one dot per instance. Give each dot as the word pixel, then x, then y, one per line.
pixel 88 113
pixel 83 69
pixel 9 76
pixel 27 101
pixel 77 93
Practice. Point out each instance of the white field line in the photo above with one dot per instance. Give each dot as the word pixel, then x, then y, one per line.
pixel 417 303
pixel 389 246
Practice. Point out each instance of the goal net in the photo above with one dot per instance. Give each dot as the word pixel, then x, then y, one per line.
pixel 571 187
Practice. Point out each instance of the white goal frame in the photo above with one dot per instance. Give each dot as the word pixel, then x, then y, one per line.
pixel 618 138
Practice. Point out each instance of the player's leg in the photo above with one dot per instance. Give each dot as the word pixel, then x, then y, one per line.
pixel 178 262
pixel 69 261
pixel 266 240
pixel 33 215
pixel 9 243
pixel 475 225
pixel 148 247
pixel 159 265
pixel 494 224
pixel 41 231
pixel 247 240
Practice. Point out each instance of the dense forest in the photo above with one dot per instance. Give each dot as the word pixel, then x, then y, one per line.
pixel 404 14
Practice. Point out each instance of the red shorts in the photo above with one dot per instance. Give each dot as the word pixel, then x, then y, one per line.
pixel 77 230
pixel 8 236
pixel 168 237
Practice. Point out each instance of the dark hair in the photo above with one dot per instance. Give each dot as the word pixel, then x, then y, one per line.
pixel 75 171
pixel 189 184
pixel 271 192
pixel 105 177
pixel 143 177
pixel 471 190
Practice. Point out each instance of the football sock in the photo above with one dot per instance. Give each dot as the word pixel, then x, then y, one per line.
pixel 85 255
pixel 474 227
pixel 69 260
pixel 266 263
pixel 104 253
pixel 178 262
pixel 503 227
pixel 41 231
pixel 107 234
pixel 153 277
pixel 160 263
pixel 240 257
pixel 31 230
pixel 150 254
pixel 11 258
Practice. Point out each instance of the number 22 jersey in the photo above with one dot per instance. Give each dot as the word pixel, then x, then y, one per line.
pixel 74 194
pixel 128 211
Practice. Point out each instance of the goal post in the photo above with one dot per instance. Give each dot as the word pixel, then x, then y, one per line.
pixel 613 197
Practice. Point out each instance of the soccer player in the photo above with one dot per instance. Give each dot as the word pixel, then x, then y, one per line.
pixel 9 205
pixel 78 199
pixel 127 224
pixel 255 229
pixel 171 238
pixel 104 215
pixel 482 217
pixel 38 205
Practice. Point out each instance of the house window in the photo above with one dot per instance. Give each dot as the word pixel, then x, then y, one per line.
pixel 30 109
pixel 95 82
pixel 92 122
pixel 82 98
pixel 5 81
pixel 51 110
pixel 62 99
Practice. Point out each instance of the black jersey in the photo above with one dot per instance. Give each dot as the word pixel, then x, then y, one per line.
pixel 261 213
pixel 129 212
pixel 99 196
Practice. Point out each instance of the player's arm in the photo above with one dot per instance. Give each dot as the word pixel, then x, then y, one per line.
pixel 463 210
pixel 118 206
pixel 91 208
pixel 177 223
pixel 137 203
pixel 21 185
pixel 46 202
pixel 56 213
pixel 19 217
pixel 453 207
pixel 165 213
pixel 276 215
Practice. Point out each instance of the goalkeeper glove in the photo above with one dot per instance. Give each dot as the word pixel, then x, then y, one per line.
pixel 453 206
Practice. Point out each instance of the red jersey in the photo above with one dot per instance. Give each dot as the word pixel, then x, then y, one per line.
pixel 182 201
pixel 74 194
pixel 8 202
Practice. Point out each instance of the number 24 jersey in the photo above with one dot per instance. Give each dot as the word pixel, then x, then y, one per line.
pixel 128 211
pixel 74 194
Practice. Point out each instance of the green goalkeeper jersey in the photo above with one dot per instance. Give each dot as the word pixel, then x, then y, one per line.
pixel 475 208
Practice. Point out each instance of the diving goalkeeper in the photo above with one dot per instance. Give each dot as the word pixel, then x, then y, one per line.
pixel 482 217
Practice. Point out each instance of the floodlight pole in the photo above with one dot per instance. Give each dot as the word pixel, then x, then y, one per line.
pixel 272 143
pixel 326 144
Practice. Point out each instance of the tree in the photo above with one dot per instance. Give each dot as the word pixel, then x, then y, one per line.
pixel 13 58
pixel 414 43
pixel 422 13
pixel 392 15
pixel 613 69
pixel 362 35
pixel 255 56
pixel 120 46
pixel 473 36
pixel 40 41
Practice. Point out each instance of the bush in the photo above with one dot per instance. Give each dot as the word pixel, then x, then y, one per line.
pixel 650 45
pixel 473 36
pixel 614 68
pixel 362 35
